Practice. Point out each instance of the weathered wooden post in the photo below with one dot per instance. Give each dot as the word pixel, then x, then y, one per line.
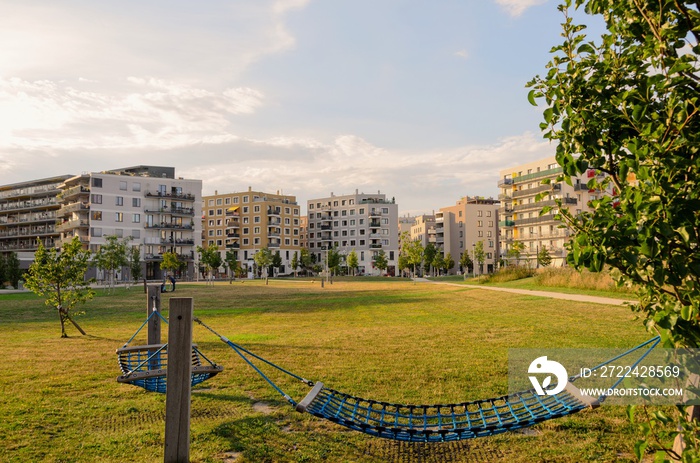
pixel 177 396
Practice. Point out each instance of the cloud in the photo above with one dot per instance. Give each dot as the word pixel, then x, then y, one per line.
pixel 517 7
pixel 462 54
pixel 151 112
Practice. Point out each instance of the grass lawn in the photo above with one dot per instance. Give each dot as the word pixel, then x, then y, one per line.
pixel 388 340
pixel 531 284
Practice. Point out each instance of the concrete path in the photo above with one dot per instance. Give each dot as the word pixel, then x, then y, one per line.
pixel 530 292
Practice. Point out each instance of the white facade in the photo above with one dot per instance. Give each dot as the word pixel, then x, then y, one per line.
pixel 365 223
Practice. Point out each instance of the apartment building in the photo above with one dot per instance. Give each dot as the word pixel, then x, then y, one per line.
pixel 422 228
pixel 28 211
pixel 520 212
pixel 365 223
pixel 145 203
pixel 251 220
pixel 458 228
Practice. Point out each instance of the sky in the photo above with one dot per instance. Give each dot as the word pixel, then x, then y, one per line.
pixel 424 101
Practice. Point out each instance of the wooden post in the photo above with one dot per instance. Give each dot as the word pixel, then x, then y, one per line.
pixel 177 396
pixel 154 323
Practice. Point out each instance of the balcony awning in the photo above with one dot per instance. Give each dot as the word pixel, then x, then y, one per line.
pixel 233 209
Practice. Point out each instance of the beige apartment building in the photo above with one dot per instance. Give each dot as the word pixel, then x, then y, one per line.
pixel 28 211
pixel 520 212
pixel 423 228
pixel 145 203
pixel 365 223
pixel 458 228
pixel 248 221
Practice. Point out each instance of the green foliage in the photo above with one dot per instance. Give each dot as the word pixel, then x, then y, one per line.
pixel 294 263
pixel 510 273
pixel 479 255
pixel 515 251
pixel 353 262
pixel 465 261
pixel 333 259
pixel 448 263
pixel 412 252
pixel 429 254
pixel 628 106
pixel 263 259
pixel 59 277
pixel 276 260
pixel 544 259
pixel 13 272
pixel 210 258
pixel 438 262
pixel 112 256
pixel 306 259
pixel 3 271
pixel 232 264
pixel 135 262
pixel 171 262
pixel 381 261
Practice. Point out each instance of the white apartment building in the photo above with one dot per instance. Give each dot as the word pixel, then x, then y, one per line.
pixel 422 228
pixel 520 212
pixel 145 203
pixel 459 228
pixel 28 211
pixel 365 223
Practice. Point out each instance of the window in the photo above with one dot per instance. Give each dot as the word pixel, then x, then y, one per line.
pixel 219 242
pixel 256 208
pixel 219 232
pixel 385 210
pixel 256 219
pixel 136 234
pixel 219 212
pixel 218 201
pixel 97 182
pixel 256 241
pixel 211 223
pixel 245 199
pixel 479 213
pixel 136 202
pixel 246 230
pixel 479 223
pixel 119 216
pixel 211 202
pixel 96 199
pixel 256 230
pixel 96 232
pixel 211 232
pixel 122 185
pixel 488 213
pixel 235 200
pixel 119 200
pixel 119 232
pixel 211 212
pixel 136 186
pixel 227 201
pixel 287 210
pixel 96 215
pixel 136 218
pixel 218 222
pixel 245 241
pixel 362 210
pixel 245 209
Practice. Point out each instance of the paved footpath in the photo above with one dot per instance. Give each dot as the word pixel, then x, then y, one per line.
pixel 530 292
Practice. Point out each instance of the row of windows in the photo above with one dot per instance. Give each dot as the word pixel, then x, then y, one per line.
pixel 246 209
pixel 220 222
pixel 135 186
pixel 342 202
pixel 97 232
pixel 118 200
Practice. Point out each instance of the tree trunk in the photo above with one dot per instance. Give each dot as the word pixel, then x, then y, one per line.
pixel 63 324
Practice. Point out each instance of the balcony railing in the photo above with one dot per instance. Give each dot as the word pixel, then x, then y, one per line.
pixel 73 207
pixel 73 191
pixel 178 196
pixel 174 226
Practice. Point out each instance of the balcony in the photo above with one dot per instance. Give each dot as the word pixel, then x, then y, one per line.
pixel 233 246
pixel 73 207
pixel 375 246
pixel 178 196
pixel 375 213
pixel 169 226
pixel 539 189
pixel 540 174
pixel 504 182
pixel 72 224
pixel 74 191
pixel 506 223
pixel 274 211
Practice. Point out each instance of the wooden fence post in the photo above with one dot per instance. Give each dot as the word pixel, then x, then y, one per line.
pixel 177 396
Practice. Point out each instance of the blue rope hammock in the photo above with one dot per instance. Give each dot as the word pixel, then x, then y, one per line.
pixel 146 365
pixel 439 422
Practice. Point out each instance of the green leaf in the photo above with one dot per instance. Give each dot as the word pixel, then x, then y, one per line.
pixel 531 95
pixel 640 448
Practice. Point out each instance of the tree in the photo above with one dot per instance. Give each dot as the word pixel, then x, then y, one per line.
pixel 59 277
pixel 515 251
pixel 3 272
pixel 232 265
pixel 381 261
pixel 411 250
pixel 403 264
pixel 333 260
pixel 353 262
pixel 627 106
pixel 111 257
pixel 211 259
pixel 263 259
pixel 437 263
pixel 135 262
pixel 429 254
pixel 449 263
pixel 171 263
pixel 306 260
pixel 276 261
pixel 544 259
pixel 479 255
pixel 295 263
pixel 12 268
pixel 466 262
